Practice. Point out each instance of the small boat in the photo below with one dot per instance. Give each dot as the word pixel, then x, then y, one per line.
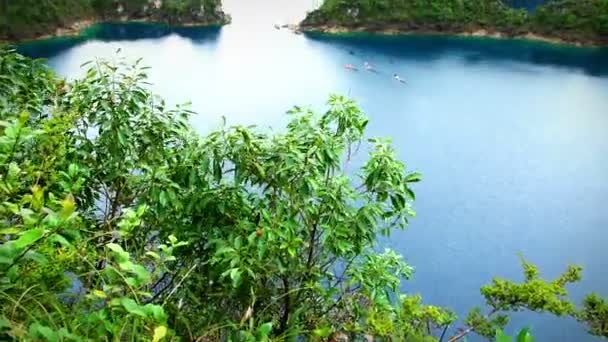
pixel 277 26
pixel 399 79
pixel 350 67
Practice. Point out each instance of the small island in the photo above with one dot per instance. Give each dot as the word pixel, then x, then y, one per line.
pixel 578 22
pixel 39 19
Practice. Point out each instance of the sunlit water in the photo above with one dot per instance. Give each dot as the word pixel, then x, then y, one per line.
pixel 511 136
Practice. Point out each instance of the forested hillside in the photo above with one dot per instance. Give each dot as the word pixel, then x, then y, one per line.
pixel 569 20
pixel 33 18
pixel 119 222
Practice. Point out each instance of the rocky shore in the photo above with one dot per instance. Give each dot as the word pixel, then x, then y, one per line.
pixel 397 29
pixel 76 28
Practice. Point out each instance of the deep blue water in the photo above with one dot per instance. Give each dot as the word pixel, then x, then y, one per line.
pixel 511 136
pixel 525 4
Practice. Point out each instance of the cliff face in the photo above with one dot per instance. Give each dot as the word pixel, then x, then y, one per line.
pixel 25 19
pixel 169 11
pixel 576 21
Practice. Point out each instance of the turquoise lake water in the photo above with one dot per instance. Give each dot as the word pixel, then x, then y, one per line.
pixel 511 136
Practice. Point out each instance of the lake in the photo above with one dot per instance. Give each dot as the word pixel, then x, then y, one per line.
pixel 511 136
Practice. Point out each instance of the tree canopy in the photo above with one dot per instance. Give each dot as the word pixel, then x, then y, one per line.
pixel 33 18
pixel 119 222
pixel 576 20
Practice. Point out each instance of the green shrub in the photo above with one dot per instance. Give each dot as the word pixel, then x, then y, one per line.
pixel 119 222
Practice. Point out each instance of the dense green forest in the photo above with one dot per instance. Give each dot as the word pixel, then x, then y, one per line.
pixel 571 20
pixel 119 222
pixel 32 18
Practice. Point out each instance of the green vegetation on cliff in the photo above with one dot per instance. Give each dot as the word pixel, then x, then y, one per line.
pixel 571 20
pixel 119 222
pixel 587 19
pixel 33 18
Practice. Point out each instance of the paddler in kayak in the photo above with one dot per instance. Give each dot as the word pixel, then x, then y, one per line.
pixel 350 67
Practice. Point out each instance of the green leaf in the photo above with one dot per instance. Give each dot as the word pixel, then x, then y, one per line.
pixel 37 257
pixel 98 293
pixel 155 311
pixel 225 250
pixel 410 193
pixel 502 337
pixel 73 170
pixel 122 136
pixel 525 336
pixel 163 198
pixel 121 257
pixel 4 323
pixel 60 240
pixel 264 330
pixel 115 248
pixel 153 255
pixel 126 265
pixel 46 332
pixel 159 333
pixel 142 274
pixel 413 177
pixel 28 238
pixel 322 332
pixel 7 231
pixel 259 170
pixel 132 307
pixel 235 275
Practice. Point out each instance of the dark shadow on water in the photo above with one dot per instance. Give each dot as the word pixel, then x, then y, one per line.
pixel 106 32
pixel 135 31
pixel 49 48
pixel 592 61
pixel 529 5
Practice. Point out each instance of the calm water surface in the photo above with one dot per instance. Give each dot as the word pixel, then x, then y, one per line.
pixel 511 136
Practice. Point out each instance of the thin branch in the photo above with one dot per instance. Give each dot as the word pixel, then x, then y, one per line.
pixel 445 329
pixel 179 284
pixel 19 257
pixel 311 248
pixel 465 332
pixel 287 301
pixel 349 291
pixel 460 335
pixel 341 277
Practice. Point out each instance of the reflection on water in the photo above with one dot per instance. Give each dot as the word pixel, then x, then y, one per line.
pixel 592 61
pixel 134 31
pixel 109 32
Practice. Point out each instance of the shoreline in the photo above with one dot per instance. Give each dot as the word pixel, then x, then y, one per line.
pixel 481 33
pixel 78 27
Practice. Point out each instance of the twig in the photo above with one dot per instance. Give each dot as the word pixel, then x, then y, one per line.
pixel 445 329
pixel 179 284
pixel 469 329
pixel 460 335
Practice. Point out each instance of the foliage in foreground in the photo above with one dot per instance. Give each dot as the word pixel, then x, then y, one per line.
pixel 568 19
pixel 121 223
